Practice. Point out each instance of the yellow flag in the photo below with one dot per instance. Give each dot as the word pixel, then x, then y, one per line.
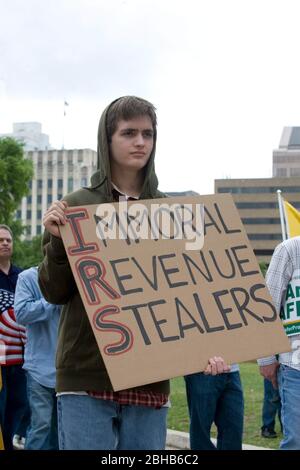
pixel 292 217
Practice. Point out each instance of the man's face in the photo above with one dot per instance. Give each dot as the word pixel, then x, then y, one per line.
pixel 6 244
pixel 132 144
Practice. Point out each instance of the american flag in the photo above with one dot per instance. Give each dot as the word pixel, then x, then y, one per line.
pixel 12 335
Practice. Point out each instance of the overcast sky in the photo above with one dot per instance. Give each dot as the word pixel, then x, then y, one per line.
pixel 224 76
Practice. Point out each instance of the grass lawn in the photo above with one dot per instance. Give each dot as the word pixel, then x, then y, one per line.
pixel 253 394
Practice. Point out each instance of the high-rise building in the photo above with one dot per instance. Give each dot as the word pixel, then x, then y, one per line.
pixel 286 159
pixel 256 201
pixel 256 198
pixel 30 134
pixel 56 173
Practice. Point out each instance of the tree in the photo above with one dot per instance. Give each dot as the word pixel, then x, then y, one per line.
pixel 28 253
pixel 15 173
pixel 263 267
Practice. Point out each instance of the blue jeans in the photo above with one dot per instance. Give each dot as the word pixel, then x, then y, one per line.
pixel 217 399
pixel 271 406
pixel 289 388
pixel 23 425
pixel 42 433
pixel 87 423
pixel 13 401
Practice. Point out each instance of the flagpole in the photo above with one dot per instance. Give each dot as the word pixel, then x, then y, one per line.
pixel 282 215
pixel 64 122
pixel 63 128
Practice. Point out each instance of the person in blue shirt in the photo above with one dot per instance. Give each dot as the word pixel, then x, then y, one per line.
pixel 41 321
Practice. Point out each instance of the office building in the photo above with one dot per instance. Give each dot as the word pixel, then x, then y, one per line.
pixel 286 159
pixel 256 201
pixel 30 134
pixel 56 173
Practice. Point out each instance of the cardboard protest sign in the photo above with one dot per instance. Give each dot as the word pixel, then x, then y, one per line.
pixel 161 304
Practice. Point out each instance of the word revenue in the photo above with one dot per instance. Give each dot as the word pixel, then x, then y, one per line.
pixel 167 270
pixel 181 270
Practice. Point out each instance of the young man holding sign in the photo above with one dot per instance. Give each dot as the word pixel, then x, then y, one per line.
pixel 283 281
pixel 90 414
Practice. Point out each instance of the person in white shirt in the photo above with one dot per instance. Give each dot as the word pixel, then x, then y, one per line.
pixel 283 281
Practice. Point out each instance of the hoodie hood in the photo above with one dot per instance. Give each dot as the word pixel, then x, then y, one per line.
pixel 102 178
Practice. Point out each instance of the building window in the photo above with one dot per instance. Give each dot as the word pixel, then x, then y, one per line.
pixel 59 183
pixel 39 214
pixel 295 172
pixel 258 189
pixel 28 214
pixel 40 157
pixel 260 221
pixel 38 229
pixel 39 184
pixel 49 183
pixel 263 252
pixel 29 199
pixel 19 214
pixel 84 170
pixel 39 199
pixel 70 184
pixel 49 198
pixel 264 236
pixel 59 196
pixel 84 181
pixel 281 172
pixel 256 205
pixel 263 205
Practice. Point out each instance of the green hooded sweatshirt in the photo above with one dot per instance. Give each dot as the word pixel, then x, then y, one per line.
pixel 78 361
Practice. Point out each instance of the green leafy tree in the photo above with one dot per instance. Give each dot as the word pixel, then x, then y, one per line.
pixel 28 253
pixel 263 267
pixel 15 173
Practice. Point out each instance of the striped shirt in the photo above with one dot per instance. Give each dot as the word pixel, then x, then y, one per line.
pixel 284 263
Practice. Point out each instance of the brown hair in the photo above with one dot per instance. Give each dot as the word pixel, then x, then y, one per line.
pixel 128 107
